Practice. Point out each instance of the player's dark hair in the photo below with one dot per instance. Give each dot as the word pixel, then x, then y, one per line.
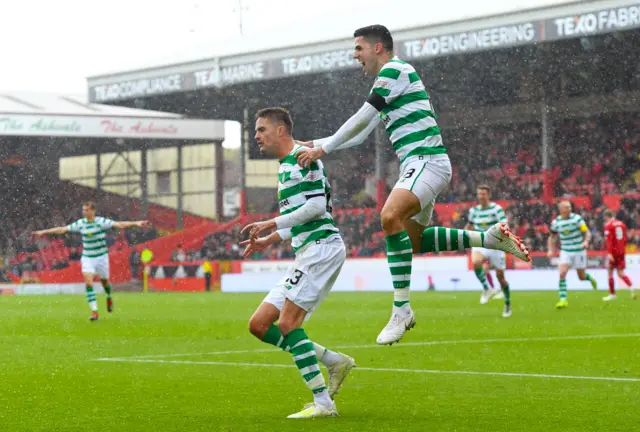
pixel 376 33
pixel 484 187
pixel 609 213
pixel 277 115
pixel 90 204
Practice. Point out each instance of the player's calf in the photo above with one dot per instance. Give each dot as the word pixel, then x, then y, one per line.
pixel 584 276
pixel 399 208
pixel 506 291
pixel 106 285
pixel 498 237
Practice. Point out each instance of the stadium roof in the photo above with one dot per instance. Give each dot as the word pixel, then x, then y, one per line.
pixel 68 105
pixel 484 26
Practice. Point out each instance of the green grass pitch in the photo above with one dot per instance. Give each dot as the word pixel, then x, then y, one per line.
pixel 463 368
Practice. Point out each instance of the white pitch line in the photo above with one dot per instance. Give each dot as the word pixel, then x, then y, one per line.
pixel 205 353
pixel 422 371
pixel 408 344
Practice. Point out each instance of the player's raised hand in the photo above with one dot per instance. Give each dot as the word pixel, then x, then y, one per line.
pixel 143 224
pixel 38 233
pixel 306 157
pixel 254 245
pixel 257 228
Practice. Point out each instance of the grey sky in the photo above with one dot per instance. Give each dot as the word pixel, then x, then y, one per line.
pixel 54 46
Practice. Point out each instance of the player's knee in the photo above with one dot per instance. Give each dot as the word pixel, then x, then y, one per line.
pixel 257 327
pixel 391 221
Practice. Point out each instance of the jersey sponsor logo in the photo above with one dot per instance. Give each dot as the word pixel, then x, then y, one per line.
pixel 312 176
pixel 381 83
pixel 284 203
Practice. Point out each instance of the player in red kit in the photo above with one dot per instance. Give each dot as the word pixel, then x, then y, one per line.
pixel 615 231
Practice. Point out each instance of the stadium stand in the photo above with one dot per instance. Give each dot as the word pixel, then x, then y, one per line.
pixel 488 104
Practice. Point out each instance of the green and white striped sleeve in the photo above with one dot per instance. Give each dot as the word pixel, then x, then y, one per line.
pixel 105 223
pixel 75 226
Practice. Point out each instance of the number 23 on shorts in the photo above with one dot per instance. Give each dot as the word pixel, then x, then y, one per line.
pixel 294 279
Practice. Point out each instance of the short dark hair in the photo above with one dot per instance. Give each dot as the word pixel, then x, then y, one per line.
pixel 90 204
pixel 484 187
pixel 277 115
pixel 609 213
pixel 376 33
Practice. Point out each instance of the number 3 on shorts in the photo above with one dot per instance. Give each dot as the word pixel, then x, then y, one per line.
pixel 410 173
pixel 297 274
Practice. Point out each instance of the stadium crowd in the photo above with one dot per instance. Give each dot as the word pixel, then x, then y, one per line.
pixel 364 238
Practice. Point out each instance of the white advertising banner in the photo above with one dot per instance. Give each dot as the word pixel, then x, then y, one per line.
pixel 110 127
pixel 378 279
pixel 452 263
pixel 41 289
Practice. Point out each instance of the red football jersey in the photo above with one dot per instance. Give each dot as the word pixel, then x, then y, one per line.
pixel 615 232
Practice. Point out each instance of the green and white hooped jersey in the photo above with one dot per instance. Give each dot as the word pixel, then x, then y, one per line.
pixel 295 186
pixel 408 114
pixel 570 231
pixel 94 238
pixel 484 218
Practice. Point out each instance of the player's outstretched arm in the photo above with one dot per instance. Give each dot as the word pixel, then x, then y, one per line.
pixel 352 133
pixel 52 231
pixel 131 224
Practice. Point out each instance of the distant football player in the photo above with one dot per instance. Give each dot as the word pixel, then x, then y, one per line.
pixel 574 241
pixel 481 218
pixel 95 252
pixel 615 232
